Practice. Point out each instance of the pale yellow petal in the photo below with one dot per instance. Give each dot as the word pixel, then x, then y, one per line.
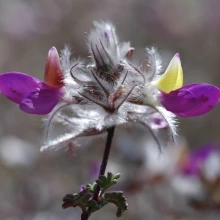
pixel 172 79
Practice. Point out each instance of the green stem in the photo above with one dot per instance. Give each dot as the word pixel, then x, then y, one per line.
pixel 108 144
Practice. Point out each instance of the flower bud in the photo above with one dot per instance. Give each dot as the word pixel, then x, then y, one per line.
pixel 53 75
pixel 130 52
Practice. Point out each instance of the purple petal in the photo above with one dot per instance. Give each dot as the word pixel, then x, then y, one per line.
pixel 156 121
pixel 16 85
pixel 204 151
pixel 82 187
pixel 178 101
pixel 198 157
pixel 40 101
pixel 191 100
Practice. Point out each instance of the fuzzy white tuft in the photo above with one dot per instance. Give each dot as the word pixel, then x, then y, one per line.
pixel 154 63
pixel 104 46
pixel 170 118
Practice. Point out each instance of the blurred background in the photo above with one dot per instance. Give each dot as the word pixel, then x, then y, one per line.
pixel 157 186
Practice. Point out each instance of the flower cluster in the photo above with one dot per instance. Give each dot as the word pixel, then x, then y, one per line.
pixel 85 99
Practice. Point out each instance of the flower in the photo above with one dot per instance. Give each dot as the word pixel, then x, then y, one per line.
pixel 107 92
pixel 187 101
pixel 33 95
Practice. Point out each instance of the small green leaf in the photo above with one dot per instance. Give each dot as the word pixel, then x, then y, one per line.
pixel 77 199
pixel 106 182
pixel 119 213
pixel 100 183
pixel 109 177
pixel 89 187
pixel 102 203
pixel 91 203
pixel 103 179
pixel 118 199
pixel 85 201
pixel 117 176
pixel 94 185
pixel 95 206
pixel 114 182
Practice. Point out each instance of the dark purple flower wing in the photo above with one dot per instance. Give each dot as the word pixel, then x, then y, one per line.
pixel 191 100
pixel 178 101
pixel 41 101
pixel 15 86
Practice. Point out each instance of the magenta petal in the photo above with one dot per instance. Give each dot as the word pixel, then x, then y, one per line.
pixel 40 101
pixel 198 157
pixel 206 97
pixel 16 85
pixel 178 101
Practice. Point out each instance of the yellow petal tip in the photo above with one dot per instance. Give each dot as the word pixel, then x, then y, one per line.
pixel 172 79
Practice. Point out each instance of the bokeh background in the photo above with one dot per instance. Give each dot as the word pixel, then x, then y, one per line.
pixel 32 184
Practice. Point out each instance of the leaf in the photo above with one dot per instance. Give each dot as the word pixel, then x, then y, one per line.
pixel 117 176
pixel 95 206
pixel 114 182
pixel 83 200
pixel 118 199
pixel 77 199
pixel 102 181
pixel 109 177
pixel 106 182
pixel 91 187
pixel 99 182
